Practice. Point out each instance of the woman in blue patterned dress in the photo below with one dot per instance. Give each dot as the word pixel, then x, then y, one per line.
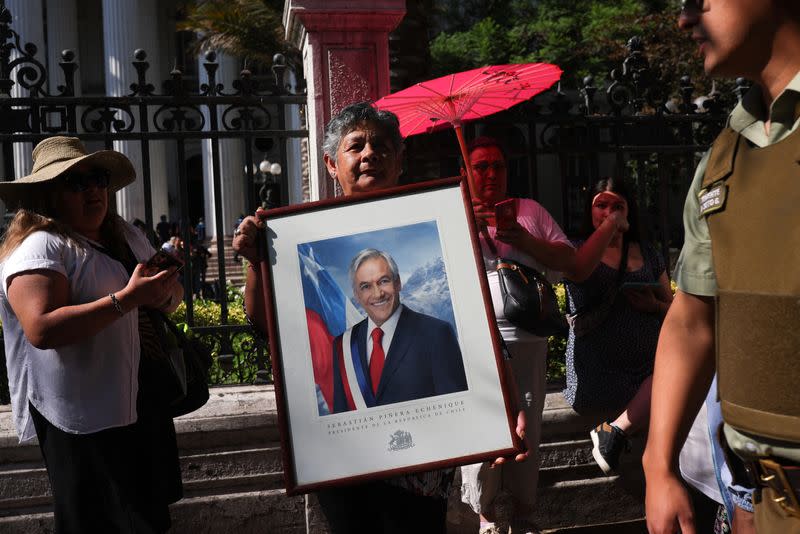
pixel 611 349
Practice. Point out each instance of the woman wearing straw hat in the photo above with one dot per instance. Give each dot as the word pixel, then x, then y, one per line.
pixel 72 284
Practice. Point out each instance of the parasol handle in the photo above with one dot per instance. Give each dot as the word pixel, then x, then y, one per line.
pixel 462 143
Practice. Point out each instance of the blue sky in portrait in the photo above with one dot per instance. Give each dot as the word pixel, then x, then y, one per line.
pixel 411 246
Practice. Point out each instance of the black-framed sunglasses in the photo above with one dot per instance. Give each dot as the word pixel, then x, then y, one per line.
pixel 692 5
pixel 80 181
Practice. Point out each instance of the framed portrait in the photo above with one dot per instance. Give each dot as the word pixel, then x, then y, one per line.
pixel 385 353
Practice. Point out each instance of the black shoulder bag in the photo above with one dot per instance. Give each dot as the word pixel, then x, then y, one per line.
pixel 173 368
pixel 529 301
pixel 185 369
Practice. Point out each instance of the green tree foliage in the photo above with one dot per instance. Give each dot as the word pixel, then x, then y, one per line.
pixel 485 43
pixel 581 36
pixel 208 313
pixel 249 29
pixel 557 345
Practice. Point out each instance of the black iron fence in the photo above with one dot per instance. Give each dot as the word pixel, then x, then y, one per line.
pixel 179 112
pixel 649 130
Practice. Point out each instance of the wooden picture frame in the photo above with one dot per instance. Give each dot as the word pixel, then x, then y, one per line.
pixel 441 399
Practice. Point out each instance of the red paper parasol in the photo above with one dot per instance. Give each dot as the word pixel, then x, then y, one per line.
pixel 455 98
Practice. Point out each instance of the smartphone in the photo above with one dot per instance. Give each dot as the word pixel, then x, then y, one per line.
pixel 640 285
pixel 162 260
pixel 505 214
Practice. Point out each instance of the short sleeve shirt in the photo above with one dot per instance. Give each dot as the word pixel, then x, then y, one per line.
pixel 87 386
pixel 694 272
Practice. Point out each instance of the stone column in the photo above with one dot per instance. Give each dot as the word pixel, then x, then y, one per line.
pixel 345 45
pixel 62 34
pixel 28 22
pixel 293 172
pixel 128 26
pixel 231 159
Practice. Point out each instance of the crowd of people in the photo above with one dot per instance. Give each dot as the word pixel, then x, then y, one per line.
pixel 709 374
pixel 167 237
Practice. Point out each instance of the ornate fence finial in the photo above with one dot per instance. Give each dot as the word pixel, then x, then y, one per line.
pixel 636 84
pixel 210 64
pixel 278 69
pixel 246 85
pixel 68 66
pixel 588 91
pixel 687 90
pixel 141 88
pixel 175 86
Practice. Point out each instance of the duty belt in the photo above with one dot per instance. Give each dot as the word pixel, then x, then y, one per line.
pixel 784 480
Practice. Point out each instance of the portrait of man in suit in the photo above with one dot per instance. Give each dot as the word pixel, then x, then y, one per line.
pixel 396 354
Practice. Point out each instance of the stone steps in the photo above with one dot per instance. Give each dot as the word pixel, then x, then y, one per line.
pixel 240 512
pixel 573 491
pixel 26 485
pixel 234 272
pixel 232 471
pixel 230 456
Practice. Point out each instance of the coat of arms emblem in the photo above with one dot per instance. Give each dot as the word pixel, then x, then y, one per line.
pixel 400 440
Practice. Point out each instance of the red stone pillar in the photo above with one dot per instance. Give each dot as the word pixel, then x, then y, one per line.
pixel 345 45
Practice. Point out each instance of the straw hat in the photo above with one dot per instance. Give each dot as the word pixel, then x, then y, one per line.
pixel 56 155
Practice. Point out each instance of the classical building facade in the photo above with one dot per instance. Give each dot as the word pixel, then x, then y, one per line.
pixel 104 35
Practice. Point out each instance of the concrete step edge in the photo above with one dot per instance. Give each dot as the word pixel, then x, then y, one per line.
pixel 18 468
pixel 218 486
pixel 24 505
pixel 230 485
pixel 231 452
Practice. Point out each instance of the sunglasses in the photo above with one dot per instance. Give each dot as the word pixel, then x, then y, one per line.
pixel 692 5
pixel 484 166
pixel 80 181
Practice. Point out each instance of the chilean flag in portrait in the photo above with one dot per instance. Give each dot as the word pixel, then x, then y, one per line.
pixel 328 313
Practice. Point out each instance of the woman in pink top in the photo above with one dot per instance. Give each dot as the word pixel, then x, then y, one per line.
pixel 507 494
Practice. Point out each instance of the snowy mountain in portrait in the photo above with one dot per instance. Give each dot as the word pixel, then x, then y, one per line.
pixel 427 291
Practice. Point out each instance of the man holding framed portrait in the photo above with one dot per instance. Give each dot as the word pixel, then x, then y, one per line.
pixel 363 151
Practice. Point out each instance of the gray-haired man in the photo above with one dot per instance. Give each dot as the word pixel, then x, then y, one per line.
pixel 395 354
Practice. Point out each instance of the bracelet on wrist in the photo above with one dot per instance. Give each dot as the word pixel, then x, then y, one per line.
pixel 117 305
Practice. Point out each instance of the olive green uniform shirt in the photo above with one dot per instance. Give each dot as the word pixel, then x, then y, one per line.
pixel 694 272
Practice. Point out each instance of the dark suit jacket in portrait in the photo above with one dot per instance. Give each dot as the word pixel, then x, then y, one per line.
pixel 424 360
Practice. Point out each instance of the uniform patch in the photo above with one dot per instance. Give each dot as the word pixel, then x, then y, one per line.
pixel 712 199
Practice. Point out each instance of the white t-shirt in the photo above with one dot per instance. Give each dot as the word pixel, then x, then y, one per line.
pixel 696 458
pixel 536 220
pixel 88 386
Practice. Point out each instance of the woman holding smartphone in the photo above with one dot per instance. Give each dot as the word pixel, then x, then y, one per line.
pixel 522 230
pixel 619 304
pixel 74 286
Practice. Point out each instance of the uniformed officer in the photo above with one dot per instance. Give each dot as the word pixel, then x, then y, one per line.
pixel 738 274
